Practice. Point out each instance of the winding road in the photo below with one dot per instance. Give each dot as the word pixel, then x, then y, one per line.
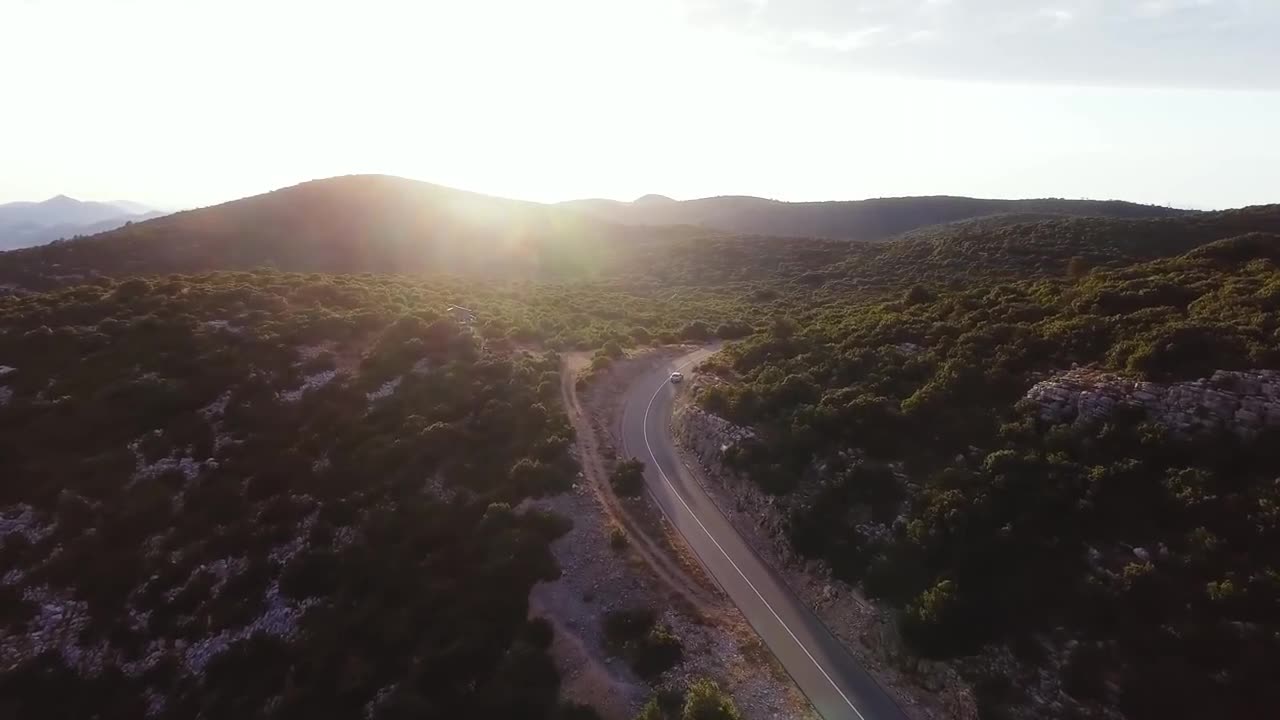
pixel 833 681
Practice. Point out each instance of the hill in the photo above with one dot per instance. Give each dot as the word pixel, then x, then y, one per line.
pixel 876 219
pixel 387 224
pixel 1064 482
pixel 960 253
pixel 997 249
pixel 24 224
pixel 359 223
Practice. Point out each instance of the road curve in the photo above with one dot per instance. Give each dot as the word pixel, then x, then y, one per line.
pixel 833 681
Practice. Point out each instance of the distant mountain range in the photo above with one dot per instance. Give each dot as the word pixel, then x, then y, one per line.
pixel 24 224
pixel 385 224
pixel 876 219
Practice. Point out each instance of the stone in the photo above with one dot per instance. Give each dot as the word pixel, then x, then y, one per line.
pixel 1239 401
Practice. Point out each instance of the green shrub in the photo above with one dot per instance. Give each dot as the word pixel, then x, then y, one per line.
pixel 704 700
pixel 627 478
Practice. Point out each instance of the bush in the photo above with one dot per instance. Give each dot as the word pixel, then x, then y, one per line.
pixel 539 633
pixel 733 330
pixel 656 653
pixel 649 648
pixel 696 330
pixel 623 626
pixel 627 478
pixel 617 538
pixel 704 700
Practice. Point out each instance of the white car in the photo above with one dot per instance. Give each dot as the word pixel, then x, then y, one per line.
pixel 677 377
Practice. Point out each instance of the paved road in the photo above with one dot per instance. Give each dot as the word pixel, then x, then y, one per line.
pixel 824 670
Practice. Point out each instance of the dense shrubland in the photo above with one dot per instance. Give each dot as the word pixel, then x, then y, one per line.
pixel 1147 562
pixel 874 219
pixel 265 495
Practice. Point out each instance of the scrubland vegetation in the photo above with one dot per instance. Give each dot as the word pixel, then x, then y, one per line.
pixel 260 494
pixel 1149 561
pixel 235 493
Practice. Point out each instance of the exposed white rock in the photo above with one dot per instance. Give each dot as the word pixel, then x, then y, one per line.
pixel 311 352
pixel 222 325
pixel 57 624
pixel 380 697
pixel 1241 401
pixel 708 436
pixel 215 409
pixel 385 390
pixel 280 619
pixel 6 369
pixel 188 466
pixel 24 520
pixel 310 382
pixel 221 570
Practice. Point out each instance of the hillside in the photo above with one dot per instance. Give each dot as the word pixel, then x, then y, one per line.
pixel 237 493
pixel 845 220
pixel 26 224
pixel 385 224
pixel 345 224
pixel 1062 482
pixel 957 254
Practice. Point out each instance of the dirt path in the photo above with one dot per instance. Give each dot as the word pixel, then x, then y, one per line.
pixel 591 457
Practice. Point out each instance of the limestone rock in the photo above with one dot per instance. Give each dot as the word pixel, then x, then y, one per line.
pixel 1240 401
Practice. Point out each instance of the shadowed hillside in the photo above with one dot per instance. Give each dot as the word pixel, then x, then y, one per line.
pixel 358 223
pixel 850 220
pixel 383 224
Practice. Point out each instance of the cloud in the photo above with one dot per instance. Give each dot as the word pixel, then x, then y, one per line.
pixel 1149 43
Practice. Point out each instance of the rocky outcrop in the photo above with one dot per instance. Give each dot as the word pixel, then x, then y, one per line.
pixel 707 436
pixel 1243 402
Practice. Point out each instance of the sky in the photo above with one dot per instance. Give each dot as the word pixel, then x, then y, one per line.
pixel 183 103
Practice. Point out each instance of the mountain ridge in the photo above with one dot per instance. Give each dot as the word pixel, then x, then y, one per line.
pixel 871 219
pixel 29 223
pixel 382 223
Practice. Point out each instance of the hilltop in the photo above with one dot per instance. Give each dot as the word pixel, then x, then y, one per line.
pixel 357 223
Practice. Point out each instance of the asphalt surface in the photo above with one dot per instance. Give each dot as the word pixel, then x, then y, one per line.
pixel 833 681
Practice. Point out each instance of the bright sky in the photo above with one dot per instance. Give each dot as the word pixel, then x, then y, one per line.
pixel 182 103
